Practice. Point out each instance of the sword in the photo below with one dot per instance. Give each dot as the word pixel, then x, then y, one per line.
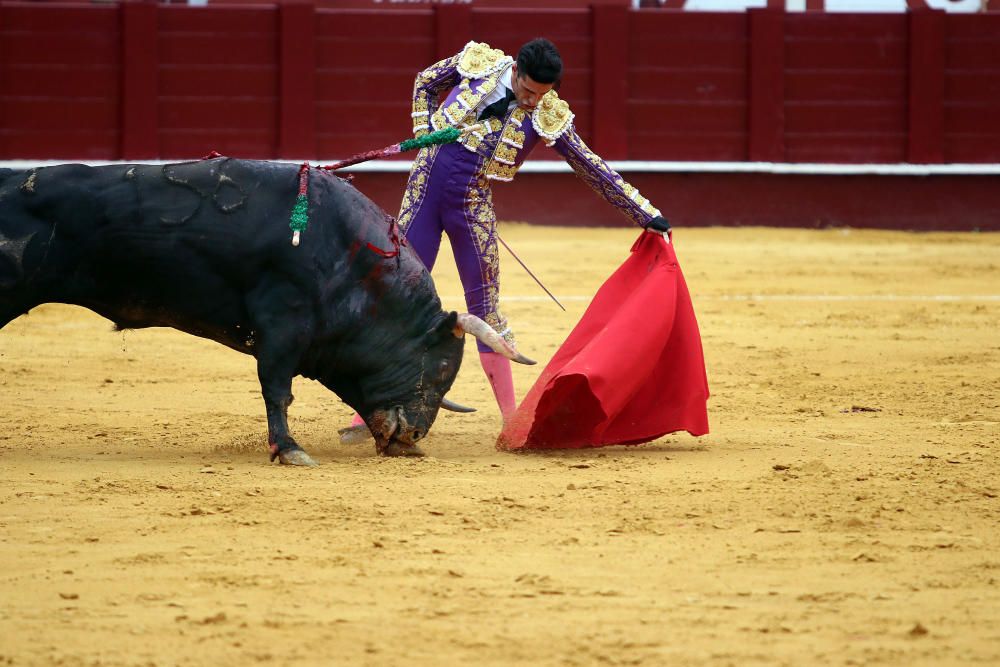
pixel 525 267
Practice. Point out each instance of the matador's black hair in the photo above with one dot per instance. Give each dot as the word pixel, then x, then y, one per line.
pixel 540 60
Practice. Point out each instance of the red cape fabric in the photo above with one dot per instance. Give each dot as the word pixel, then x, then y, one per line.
pixel 631 371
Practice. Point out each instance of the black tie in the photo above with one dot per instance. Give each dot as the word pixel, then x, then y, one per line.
pixel 498 108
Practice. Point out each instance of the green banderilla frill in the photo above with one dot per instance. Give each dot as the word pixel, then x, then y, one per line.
pixel 445 136
pixel 300 214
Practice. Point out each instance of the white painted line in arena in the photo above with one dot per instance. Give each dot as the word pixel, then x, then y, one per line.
pixel 852 297
pixel 778 297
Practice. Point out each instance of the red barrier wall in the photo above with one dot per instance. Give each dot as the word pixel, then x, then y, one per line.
pixel 971 87
pixel 141 80
pixel 365 65
pixel 60 81
pixel 846 91
pixel 217 72
pixel 687 86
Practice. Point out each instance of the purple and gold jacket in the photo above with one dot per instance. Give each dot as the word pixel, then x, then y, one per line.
pixel 504 143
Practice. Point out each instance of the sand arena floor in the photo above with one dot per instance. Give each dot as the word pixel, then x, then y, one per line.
pixel 844 509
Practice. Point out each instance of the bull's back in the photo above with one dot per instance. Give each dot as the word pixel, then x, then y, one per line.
pixel 220 215
pixel 145 245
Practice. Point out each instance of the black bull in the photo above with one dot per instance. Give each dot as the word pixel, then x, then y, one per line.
pixel 204 247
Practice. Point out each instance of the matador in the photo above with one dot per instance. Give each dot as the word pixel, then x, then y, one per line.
pixel 515 105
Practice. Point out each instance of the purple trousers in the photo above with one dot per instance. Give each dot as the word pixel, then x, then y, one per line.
pixel 448 192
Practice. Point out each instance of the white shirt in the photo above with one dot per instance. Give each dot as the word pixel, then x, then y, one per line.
pixel 498 93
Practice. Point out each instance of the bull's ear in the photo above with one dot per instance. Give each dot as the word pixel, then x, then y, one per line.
pixel 449 324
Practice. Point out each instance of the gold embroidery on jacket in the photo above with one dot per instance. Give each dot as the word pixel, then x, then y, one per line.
pixel 498 171
pixel 552 116
pixel 472 141
pixel 469 99
pixel 505 154
pixel 512 136
pixel 454 113
pixel 605 181
pixel 462 112
pixel 430 83
pixel 478 59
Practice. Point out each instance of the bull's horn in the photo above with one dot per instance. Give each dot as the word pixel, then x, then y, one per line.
pixel 455 407
pixel 471 324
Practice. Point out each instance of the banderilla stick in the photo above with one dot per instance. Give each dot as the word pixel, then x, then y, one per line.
pixel 525 267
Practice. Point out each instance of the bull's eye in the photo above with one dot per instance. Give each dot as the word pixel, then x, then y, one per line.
pixel 443 370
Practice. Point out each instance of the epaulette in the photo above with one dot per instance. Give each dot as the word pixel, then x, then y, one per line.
pixel 551 117
pixel 478 60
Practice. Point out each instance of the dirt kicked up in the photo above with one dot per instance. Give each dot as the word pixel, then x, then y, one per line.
pixel 844 509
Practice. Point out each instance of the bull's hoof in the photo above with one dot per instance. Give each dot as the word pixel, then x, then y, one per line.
pixel 401 449
pixel 355 435
pixel 296 457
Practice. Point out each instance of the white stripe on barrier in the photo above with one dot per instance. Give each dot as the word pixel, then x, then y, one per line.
pixel 633 166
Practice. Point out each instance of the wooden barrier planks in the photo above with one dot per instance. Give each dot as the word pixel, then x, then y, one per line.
pixel 142 80
pixel 60 81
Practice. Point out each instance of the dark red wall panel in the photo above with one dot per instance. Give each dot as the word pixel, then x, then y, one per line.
pixel 687 83
pixel 972 89
pixel 59 81
pixel 719 85
pixel 366 61
pixel 254 81
pixel 204 55
pixel 41 81
pixel 179 19
pixel 297 81
pixel 845 84
pixel 846 92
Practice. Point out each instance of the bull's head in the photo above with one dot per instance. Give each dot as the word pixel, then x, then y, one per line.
pixel 398 426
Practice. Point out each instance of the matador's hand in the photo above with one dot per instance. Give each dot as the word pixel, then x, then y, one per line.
pixel 658 224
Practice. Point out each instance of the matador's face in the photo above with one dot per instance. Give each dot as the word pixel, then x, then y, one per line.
pixel 528 91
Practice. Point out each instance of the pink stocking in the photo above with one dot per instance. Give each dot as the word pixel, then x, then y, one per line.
pixel 357 421
pixel 497 369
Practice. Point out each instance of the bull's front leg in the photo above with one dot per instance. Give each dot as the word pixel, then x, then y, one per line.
pixel 278 348
pixel 283 327
pixel 276 387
